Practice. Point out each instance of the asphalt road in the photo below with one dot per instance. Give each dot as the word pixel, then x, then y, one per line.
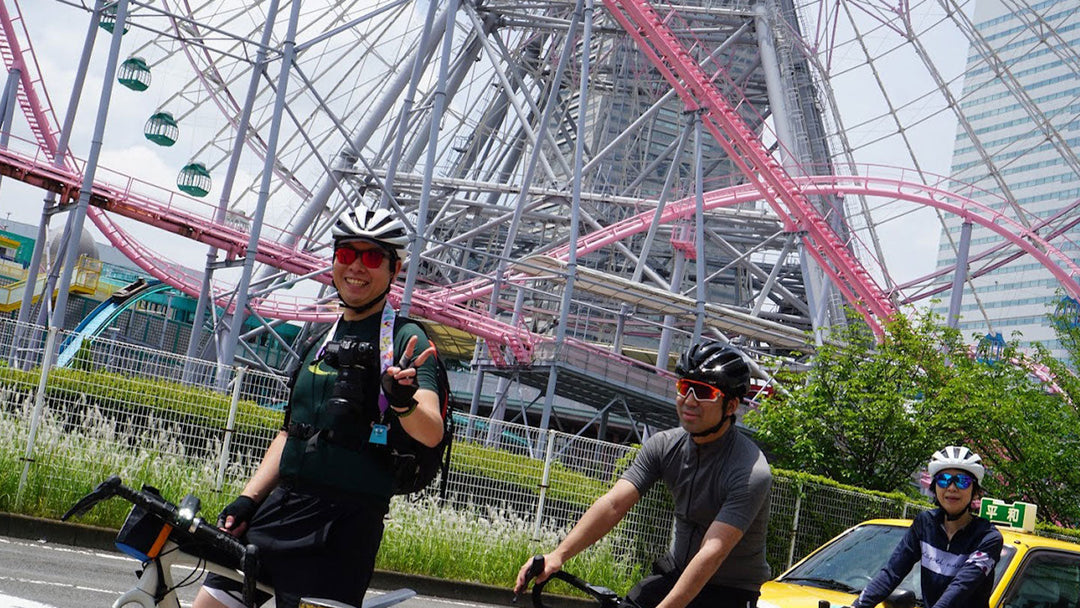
pixel 44 574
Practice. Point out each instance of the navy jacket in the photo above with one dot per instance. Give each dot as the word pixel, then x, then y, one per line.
pixel 955 574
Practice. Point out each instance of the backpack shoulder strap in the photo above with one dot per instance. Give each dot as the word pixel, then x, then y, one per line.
pixel 301 353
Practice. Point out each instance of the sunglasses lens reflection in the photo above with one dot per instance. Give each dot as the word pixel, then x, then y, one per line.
pixel 960 480
pixel 701 391
pixel 371 258
pixel 345 255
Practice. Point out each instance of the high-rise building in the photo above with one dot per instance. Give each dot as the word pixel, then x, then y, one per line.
pixel 1017 142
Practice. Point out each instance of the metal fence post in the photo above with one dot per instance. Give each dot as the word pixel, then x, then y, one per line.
pixel 230 428
pixel 544 484
pixel 35 418
pixel 795 524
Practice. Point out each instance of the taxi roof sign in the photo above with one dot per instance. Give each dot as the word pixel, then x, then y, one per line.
pixel 1017 515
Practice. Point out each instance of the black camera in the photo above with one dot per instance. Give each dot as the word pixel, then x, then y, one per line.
pixel 357 363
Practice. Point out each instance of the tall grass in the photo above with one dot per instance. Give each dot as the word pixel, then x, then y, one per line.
pixel 483 544
pixel 71 458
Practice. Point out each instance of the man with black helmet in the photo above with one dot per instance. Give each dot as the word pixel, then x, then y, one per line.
pixel 316 503
pixel 720 483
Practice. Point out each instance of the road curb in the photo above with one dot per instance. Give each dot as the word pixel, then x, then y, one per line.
pixel 101 539
pixel 53 531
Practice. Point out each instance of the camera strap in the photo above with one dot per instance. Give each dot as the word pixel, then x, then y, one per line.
pixel 386 346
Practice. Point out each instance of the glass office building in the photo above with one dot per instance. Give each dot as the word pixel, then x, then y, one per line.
pixel 1017 141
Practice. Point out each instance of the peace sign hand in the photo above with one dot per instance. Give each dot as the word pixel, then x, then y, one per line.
pixel 399 381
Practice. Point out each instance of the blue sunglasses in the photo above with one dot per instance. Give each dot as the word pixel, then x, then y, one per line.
pixel 962 481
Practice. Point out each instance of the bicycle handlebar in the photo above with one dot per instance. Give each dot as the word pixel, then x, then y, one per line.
pixel 605 598
pixel 183 519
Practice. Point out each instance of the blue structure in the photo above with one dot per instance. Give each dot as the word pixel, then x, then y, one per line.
pixel 101 317
pixel 991 349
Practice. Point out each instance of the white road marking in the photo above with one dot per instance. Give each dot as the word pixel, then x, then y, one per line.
pixel 7 601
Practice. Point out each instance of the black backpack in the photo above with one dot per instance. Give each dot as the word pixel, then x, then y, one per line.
pixel 415 464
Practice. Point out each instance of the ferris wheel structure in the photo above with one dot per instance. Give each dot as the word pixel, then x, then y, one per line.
pixel 591 185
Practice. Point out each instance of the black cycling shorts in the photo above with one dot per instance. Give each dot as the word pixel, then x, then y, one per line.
pixel 311 546
pixel 651 590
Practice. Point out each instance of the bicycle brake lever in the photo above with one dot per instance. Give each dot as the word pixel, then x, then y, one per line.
pixel 535 568
pixel 103 491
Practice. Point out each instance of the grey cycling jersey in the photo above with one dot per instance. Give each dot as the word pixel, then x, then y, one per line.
pixel 727 480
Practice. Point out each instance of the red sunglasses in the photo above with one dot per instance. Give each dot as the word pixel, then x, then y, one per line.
pixel 701 391
pixel 371 258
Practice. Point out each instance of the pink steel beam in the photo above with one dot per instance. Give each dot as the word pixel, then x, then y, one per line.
pixel 1059 229
pixel 124 201
pixel 15 57
pixel 518 340
pixel 746 151
pixel 1060 265
pixel 436 305
pixel 1029 241
pixel 441 306
pixel 67 183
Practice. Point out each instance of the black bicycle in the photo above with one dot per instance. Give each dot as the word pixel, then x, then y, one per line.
pixel 161 535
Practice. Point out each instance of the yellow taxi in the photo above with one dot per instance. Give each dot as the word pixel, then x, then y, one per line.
pixel 1034 571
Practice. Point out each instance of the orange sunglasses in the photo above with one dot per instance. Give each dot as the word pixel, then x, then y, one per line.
pixel 701 391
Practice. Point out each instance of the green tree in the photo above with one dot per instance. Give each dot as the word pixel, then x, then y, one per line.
pixel 1033 435
pixel 870 412
pixel 865 413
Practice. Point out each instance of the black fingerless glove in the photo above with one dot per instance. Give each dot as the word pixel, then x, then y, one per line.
pixel 401 397
pixel 241 510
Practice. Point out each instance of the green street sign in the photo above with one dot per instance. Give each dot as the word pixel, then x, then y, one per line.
pixel 1018 515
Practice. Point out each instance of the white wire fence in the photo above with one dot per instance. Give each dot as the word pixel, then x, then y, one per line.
pixel 106 407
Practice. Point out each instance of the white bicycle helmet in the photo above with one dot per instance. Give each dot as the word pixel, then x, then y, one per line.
pixel 957 457
pixel 378 226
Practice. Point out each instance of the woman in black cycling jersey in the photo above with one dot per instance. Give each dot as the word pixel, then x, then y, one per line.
pixel 957 549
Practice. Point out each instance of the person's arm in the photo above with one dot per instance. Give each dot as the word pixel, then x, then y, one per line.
pixel 976 569
pixel 265 478
pixel 719 539
pixel 908 551
pixel 262 482
pixel 425 423
pixel 598 520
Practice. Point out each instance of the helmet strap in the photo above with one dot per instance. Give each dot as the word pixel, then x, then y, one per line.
pixel 714 428
pixel 369 305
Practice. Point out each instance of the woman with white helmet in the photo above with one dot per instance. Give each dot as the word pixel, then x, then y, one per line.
pixel 956 548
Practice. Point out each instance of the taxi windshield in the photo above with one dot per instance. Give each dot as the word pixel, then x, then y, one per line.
pixel 849 563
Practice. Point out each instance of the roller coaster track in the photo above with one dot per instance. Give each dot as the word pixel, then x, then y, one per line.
pixel 170 217
pixel 36 109
pixel 1027 240
pixel 745 149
